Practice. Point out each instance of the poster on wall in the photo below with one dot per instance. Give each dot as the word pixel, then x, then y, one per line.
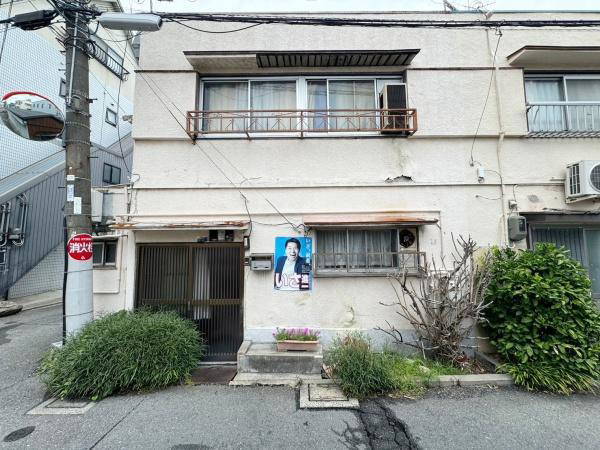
pixel 293 265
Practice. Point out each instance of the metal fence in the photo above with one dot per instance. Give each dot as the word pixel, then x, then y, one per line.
pixel 373 263
pixel 563 117
pixel 301 121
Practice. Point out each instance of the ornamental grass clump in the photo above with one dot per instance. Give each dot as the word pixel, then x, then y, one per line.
pixel 128 351
pixel 543 320
pixel 296 334
pixel 363 372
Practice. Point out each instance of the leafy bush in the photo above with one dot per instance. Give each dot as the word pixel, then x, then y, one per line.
pixel 362 372
pixel 121 352
pixel 543 320
pixel 293 334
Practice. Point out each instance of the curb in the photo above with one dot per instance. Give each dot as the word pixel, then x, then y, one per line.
pixel 486 379
pixel 42 305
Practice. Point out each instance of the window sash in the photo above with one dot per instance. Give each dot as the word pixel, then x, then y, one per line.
pixel 111 174
pixel 361 250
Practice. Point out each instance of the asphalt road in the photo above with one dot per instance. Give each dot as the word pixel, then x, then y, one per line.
pixel 202 417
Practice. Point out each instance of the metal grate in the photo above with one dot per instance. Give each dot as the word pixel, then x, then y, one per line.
pixel 595 177
pixel 203 283
pixel 574 180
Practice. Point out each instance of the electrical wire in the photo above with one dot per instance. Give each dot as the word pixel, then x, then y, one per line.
pixel 118 125
pixel 489 90
pixel 386 23
pixel 5 30
pixel 216 32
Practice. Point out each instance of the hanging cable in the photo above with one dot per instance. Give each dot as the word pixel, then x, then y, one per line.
pixel 5 30
pixel 216 32
pixel 487 96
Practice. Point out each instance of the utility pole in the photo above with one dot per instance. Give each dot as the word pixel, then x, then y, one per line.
pixel 77 292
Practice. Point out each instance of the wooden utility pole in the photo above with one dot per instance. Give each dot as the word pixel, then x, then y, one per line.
pixel 78 293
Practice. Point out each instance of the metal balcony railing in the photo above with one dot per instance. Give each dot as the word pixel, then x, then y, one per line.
pixel 301 122
pixel 564 118
pixel 369 263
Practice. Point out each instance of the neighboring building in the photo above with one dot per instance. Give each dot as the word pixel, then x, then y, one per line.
pixel 371 147
pixel 32 193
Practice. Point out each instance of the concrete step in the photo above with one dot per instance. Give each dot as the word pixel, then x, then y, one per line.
pixel 264 359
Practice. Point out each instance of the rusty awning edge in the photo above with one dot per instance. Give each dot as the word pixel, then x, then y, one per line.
pixel 180 226
pixel 332 220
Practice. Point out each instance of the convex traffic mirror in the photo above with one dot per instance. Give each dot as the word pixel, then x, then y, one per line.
pixel 31 116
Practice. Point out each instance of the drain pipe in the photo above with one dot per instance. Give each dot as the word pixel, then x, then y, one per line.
pixel 501 131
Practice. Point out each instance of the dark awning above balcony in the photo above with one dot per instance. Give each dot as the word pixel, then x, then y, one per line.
pixel 244 60
pixel 347 58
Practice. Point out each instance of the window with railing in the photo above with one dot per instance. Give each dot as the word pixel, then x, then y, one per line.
pixel 297 105
pixel 563 103
pixel 371 251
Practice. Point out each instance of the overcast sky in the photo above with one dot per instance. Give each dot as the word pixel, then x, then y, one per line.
pixel 352 5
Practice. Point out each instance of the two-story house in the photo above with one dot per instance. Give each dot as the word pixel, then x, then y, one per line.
pixel 285 171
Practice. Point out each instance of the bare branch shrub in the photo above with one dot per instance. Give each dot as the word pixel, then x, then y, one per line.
pixel 444 303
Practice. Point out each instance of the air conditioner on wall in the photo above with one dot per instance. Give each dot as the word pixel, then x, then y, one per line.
pixel 392 100
pixel 583 181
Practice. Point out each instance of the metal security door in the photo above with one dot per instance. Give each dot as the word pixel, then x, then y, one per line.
pixel 203 283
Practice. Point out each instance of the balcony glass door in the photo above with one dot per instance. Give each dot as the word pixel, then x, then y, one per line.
pixel 546 97
pixel 273 104
pixel 583 97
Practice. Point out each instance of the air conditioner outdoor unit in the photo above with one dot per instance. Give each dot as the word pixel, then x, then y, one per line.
pixel 392 100
pixel 583 181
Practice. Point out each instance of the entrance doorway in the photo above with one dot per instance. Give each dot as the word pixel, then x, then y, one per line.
pixel 203 283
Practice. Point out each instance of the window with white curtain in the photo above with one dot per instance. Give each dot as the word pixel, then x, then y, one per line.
pixel 372 250
pixel 563 102
pixel 272 104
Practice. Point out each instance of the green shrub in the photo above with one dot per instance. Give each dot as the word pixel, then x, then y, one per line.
pixel 362 372
pixel 543 320
pixel 122 352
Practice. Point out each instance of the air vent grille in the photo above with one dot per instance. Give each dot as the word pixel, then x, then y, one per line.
pixel 595 177
pixel 574 180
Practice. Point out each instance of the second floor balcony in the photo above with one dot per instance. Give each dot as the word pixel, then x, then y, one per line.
pixel 564 119
pixel 301 122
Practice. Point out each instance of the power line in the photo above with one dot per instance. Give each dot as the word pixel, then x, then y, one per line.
pixel 398 23
pixel 471 162
pixel 216 32
pixel 6 29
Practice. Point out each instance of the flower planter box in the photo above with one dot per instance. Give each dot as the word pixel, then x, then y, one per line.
pixel 297 346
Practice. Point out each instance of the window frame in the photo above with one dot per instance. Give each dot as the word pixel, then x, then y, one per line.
pixel 301 98
pixel 564 77
pixel 104 263
pixel 568 225
pixel 108 120
pixel 112 169
pixel 383 272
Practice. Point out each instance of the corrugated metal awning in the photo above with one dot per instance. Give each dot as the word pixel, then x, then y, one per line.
pixel 348 220
pixel 180 226
pixel 215 60
pixel 336 58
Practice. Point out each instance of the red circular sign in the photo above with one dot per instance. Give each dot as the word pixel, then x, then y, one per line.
pixel 79 247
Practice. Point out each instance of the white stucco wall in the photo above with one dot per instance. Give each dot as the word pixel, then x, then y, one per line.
pixel 447 83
